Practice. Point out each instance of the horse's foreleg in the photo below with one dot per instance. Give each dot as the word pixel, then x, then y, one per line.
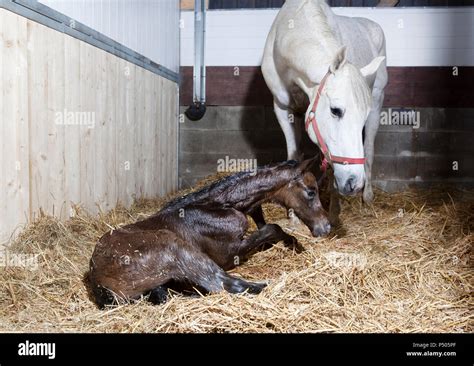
pixel 292 129
pixel 371 127
pixel 298 125
pixel 292 134
pixel 334 201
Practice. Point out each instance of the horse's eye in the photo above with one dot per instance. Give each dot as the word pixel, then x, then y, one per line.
pixel 337 112
pixel 311 194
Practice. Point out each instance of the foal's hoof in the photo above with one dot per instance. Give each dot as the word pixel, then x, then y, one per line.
pixel 158 295
pixel 236 285
pixel 256 287
pixel 299 248
pixel 292 243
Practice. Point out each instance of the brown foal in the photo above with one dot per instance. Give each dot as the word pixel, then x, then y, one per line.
pixel 194 239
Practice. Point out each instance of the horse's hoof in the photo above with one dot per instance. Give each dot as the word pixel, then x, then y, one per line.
pixel 368 196
pixel 335 221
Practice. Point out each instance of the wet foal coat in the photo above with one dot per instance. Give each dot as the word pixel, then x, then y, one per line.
pixel 195 238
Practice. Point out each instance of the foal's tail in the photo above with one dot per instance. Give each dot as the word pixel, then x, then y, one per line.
pixel 99 294
pixel 102 296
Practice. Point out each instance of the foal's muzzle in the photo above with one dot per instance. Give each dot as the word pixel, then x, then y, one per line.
pixel 321 229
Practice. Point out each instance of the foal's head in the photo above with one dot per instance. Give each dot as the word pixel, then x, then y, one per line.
pixel 301 195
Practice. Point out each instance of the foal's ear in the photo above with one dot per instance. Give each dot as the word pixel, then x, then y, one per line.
pixel 339 60
pixel 305 165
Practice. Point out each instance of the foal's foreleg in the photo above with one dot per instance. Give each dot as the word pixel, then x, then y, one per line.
pixel 257 215
pixel 265 238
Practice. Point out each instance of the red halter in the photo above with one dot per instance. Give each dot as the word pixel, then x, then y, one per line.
pixel 327 157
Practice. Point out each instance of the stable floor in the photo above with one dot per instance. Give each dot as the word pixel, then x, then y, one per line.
pixel 402 265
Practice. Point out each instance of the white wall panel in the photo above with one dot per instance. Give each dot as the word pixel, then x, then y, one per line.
pixel 427 37
pixel 149 27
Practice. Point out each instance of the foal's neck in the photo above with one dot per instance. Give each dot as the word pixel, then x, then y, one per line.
pixel 250 192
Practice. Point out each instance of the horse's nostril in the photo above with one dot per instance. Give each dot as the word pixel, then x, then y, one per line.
pixel 350 184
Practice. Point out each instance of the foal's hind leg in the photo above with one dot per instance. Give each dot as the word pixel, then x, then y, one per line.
pixel 196 267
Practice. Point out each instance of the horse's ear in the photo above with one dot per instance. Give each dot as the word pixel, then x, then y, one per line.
pixel 369 70
pixel 305 165
pixel 339 60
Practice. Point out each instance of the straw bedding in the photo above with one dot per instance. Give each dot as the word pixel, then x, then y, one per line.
pixel 402 265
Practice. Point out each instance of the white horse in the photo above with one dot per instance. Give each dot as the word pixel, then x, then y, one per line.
pixel 331 70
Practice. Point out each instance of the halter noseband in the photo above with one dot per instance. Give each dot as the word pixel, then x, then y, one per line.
pixel 311 120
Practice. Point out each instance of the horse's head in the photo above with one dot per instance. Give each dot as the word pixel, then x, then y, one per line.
pixel 301 196
pixel 343 107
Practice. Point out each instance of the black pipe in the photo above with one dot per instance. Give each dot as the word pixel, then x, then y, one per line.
pixel 195 111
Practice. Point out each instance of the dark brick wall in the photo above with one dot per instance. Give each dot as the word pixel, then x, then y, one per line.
pixel 407 87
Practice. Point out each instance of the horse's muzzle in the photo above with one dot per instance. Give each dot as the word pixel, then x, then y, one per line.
pixel 350 186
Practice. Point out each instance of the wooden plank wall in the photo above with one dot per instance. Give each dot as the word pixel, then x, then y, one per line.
pixel 129 148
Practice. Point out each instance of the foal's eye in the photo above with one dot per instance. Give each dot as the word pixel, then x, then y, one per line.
pixel 337 112
pixel 311 194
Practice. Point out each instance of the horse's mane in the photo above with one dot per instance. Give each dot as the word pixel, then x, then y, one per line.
pixel 236 187
pixel 360 91
pixel 321 13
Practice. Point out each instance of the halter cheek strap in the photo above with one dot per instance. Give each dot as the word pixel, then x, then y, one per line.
pixel 311 120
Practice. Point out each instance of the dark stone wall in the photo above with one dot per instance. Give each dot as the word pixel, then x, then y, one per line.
pixel 240 123
pixel 405 156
